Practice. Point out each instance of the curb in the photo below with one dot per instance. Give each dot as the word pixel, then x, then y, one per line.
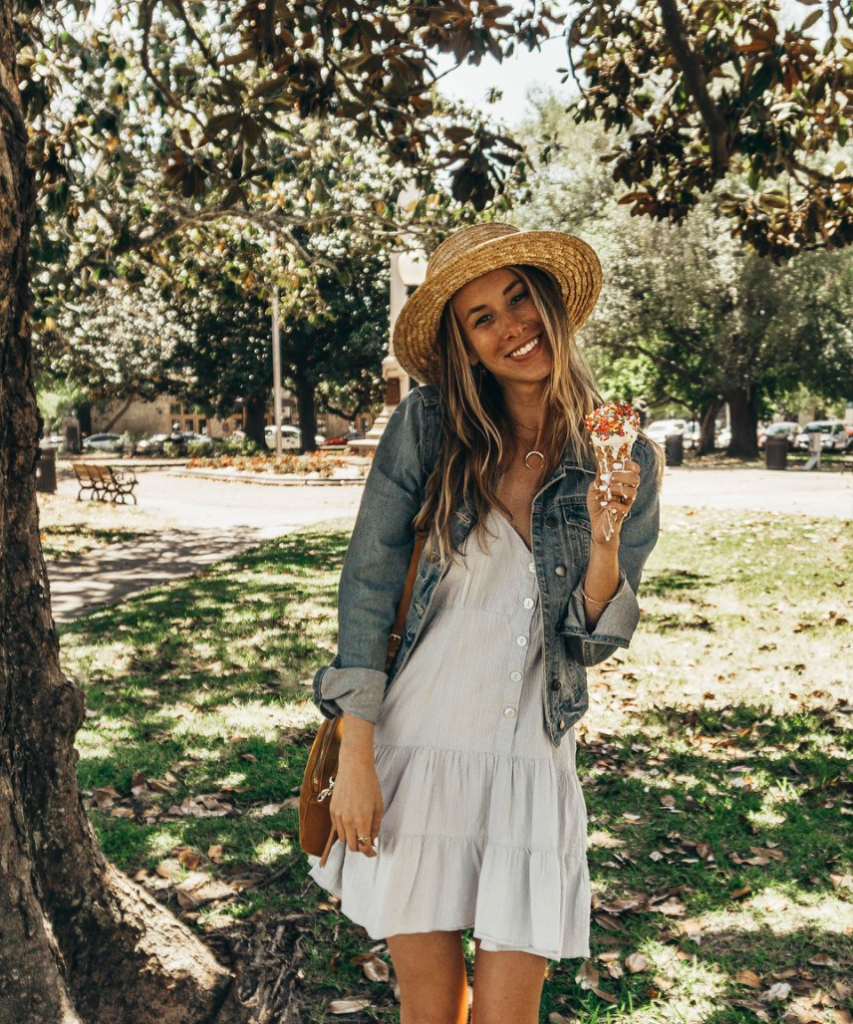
pixel 270 479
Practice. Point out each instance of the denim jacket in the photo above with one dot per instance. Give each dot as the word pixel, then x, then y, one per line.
pixel 381 546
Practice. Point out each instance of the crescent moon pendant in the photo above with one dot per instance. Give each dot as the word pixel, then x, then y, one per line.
pixel 541 459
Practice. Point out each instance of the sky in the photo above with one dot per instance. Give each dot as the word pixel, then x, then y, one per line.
pixel 515 77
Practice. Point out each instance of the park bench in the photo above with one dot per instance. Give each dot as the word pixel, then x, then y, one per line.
pixel 104 482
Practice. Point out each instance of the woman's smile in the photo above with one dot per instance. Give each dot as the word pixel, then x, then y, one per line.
pixel 526 350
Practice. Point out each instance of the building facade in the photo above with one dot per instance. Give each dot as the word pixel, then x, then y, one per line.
pixel 164 415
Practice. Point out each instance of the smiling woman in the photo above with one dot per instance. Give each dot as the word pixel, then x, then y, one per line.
pixel 456 797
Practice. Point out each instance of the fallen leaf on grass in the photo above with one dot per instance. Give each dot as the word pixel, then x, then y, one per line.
pixel 205 805
pixel 215 854
pixel 169 868
pixel 747 977
pixel 587 975
pixel 348 1005
pixel 608 923
pixel 672 907
pixel 609 956
pixel 189 858
pixel 822 960
pixel 373 966
pixel 691 929
pixel 801 1012
pixel 138 782
pixel 777 992
pixel 105 796
pixel 200 888
pixel 122 812
pixel 636 962
pixel 751 1004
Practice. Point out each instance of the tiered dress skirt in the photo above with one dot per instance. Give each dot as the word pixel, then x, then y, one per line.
pixel 485 823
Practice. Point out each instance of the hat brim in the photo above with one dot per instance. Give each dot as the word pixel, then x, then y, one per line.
pixel 572 262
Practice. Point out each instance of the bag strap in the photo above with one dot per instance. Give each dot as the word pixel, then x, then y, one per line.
pixel 396 636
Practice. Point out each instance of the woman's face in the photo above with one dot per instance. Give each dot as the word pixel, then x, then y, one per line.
pixel 502 329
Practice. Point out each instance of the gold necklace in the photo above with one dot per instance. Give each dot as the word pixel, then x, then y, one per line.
pixel 534 450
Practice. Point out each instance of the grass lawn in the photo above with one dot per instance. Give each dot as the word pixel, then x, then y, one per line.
pixel 715 760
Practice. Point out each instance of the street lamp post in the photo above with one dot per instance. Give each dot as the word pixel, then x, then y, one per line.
pixel 276 363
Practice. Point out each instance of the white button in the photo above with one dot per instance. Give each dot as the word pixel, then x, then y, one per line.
pixel 515 676
pixel 521 641
pixel 509 712
pixel 531 567
pixel 528 602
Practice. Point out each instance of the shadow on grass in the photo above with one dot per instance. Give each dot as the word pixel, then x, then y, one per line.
pixel 668 581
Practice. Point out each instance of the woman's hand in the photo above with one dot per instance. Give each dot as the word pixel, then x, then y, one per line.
pixel 623 490
pixel 356 804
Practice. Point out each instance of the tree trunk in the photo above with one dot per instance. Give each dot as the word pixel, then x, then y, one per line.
pixel 743 407
pixel 307 413
pixel 109 426
pixel 256 407
pixel 79 942
pixel 707 425
pixel 84 418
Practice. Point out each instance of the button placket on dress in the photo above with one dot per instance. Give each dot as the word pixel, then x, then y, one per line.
pixel 520 627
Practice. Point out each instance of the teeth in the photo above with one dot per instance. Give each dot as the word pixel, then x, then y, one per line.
pixel 526 348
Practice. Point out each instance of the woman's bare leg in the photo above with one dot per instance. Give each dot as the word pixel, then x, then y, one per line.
pixel 430 969
pixel 507 987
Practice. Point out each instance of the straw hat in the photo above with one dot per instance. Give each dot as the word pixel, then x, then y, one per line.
pixel 474 251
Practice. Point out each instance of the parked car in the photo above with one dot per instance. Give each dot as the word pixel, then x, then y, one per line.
pixel 783 429
pixel 723 438
pixel 189 437
pixel 691 434
pixel 833 435
pixel 291 437
pixel 154 445
pixel 102 443
pixel 661 429
pixel 343 439
pixel 52 441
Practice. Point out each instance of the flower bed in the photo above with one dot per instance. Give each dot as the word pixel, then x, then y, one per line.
pixel 316 464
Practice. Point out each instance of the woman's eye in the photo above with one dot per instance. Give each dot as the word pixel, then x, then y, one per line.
pixel 480 319
pixel 521 295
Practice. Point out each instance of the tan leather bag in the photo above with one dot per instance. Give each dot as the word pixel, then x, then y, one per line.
pixel 316 834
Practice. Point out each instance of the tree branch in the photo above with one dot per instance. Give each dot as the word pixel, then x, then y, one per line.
pixel 697 83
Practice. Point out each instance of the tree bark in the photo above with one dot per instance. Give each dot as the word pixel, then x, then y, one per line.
pixel 84 418
pixel 79 942
pixel 256 407
pixel 307 413
pixel 707 424
pixel 743 407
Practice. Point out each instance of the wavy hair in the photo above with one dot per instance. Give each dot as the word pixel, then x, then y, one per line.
pixel 477 439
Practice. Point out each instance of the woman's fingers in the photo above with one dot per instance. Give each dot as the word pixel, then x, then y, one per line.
pixel 349 831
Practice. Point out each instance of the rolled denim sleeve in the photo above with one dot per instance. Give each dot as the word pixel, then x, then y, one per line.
pixel 638 537
pixel 374 569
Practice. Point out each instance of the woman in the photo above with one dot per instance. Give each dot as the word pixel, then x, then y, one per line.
pixel 456 798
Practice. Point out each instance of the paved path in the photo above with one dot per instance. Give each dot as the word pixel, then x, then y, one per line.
pixel 814 494
pixel 185 524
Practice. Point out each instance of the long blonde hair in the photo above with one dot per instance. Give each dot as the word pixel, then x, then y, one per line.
pixel 475 419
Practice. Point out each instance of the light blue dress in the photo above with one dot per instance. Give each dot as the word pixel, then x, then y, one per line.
pixel 485 821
